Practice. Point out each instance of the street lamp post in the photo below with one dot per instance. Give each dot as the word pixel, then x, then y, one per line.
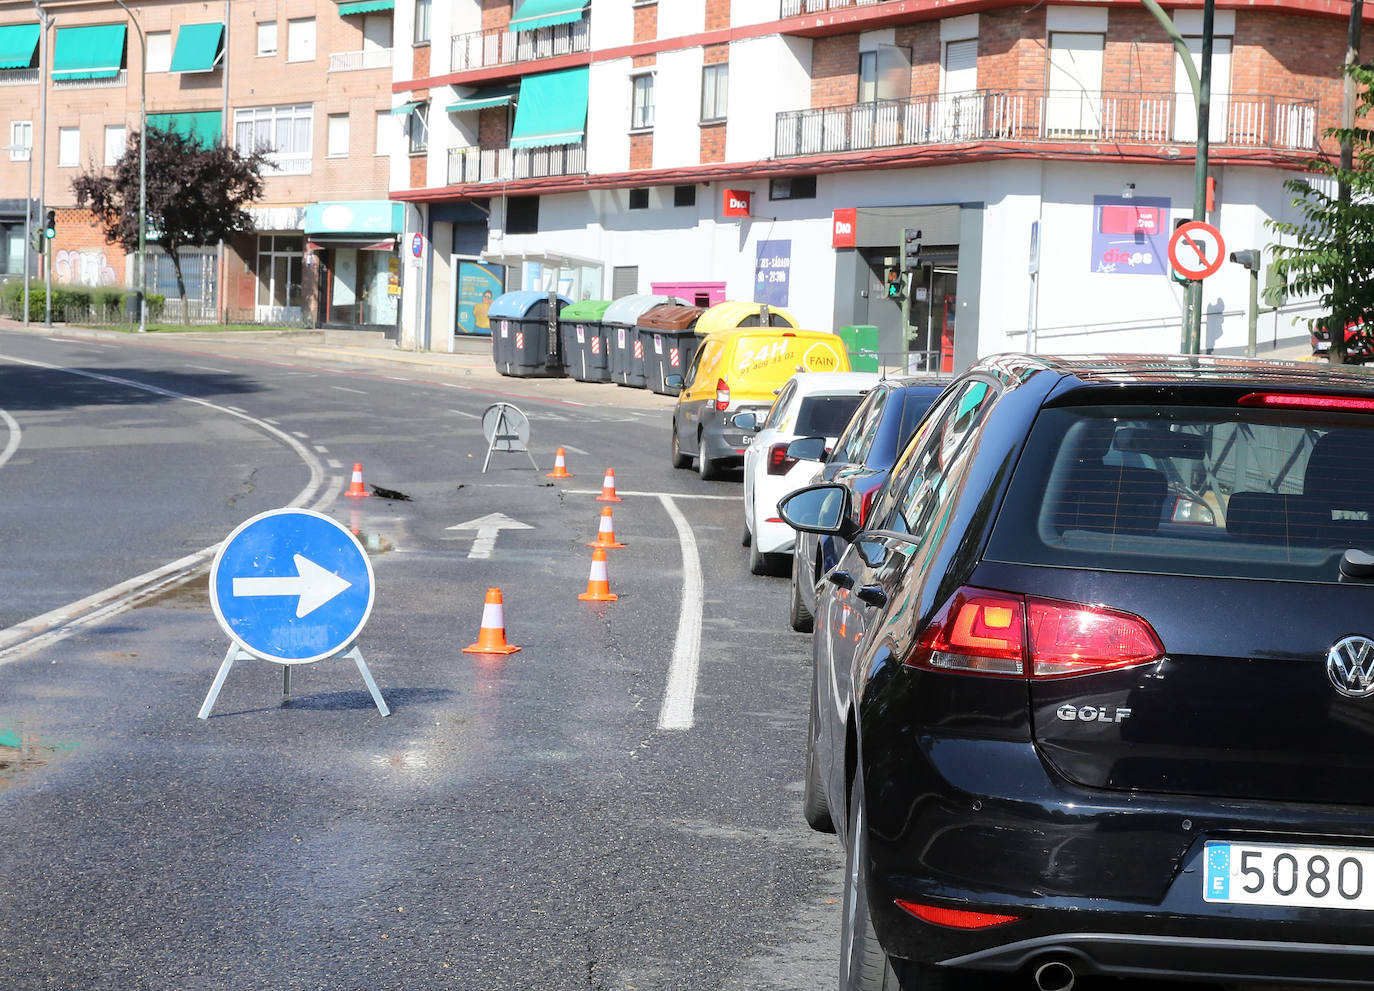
pixel 142 171
pixel 28 218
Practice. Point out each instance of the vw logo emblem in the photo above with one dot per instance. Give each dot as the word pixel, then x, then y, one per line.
pixel 1350 666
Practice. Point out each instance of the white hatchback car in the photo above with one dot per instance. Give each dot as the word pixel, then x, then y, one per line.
pixel 810 404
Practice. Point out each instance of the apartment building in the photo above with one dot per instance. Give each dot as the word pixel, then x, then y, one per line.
pixel 783 150
pixel 307 80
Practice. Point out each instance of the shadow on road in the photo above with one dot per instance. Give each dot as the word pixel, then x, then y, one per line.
pixel 25 388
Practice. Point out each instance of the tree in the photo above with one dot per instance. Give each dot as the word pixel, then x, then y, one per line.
pixel 1332 256
pixel 195 195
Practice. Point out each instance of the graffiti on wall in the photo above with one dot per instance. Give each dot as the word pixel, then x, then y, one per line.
pixel 89 267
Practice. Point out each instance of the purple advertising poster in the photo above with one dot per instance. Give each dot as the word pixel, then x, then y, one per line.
pixel 1130 236
pixel 772 272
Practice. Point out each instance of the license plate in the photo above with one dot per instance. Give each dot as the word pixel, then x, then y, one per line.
pixel 1279 874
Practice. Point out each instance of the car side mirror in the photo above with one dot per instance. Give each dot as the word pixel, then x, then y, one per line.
pixel 819 509
pixel 807 449
pixel 745 421
pixel 673 381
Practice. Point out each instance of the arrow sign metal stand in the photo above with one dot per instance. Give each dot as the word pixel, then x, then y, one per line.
pixel 237 653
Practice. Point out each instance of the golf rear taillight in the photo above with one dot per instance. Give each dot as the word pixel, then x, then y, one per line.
pixel 955 918
pixel 979 631
pixel 778 461
pixel 722 395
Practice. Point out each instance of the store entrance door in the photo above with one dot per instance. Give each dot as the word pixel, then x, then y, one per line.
pixel 932 297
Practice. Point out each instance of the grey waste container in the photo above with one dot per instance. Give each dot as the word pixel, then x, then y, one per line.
pixel 624 348
pixel 670 342
pixel 524 333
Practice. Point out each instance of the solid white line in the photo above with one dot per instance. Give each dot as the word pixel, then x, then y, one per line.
pixel 31 635
pixel 208 368
pixel 12 444
pixel 654 495
pixel 471 416
pixel 344 388
pixel 679 699
pixel 576 450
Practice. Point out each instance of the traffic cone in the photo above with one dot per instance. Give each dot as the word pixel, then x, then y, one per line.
pixel 598 584
pixel 492 637
pixel 605 534
pixel 355 488
pixel 608 488
pixel 560 466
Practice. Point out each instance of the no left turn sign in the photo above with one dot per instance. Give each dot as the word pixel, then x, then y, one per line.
pixel 1196 250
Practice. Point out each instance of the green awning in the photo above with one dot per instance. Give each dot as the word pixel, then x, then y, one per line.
pixel 18 42
pixel 93 52
pixel 365 7
pixel 492 96
pixel 552 110
pixel 200 126
pixel 546 13
pixel 198 47
pixel 406 107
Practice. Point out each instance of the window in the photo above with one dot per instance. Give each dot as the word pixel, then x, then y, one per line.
pixel 21 140
pixel 522 215
pixel 715 83
pixel 13 248
pixel 801 187
pixel 684 196
pixel 1075 83
pixel 159 51
pixel 825 416
pixel 639 199
pixel 418 121
pixel 267 39
pixel 624 281
pixel 114 144
pixel 69 146
pixel 422 22
pixel 338 136
pixel 284 132
pixel 386 132
pixel 868 77
pixel 300 40
pixel 642 103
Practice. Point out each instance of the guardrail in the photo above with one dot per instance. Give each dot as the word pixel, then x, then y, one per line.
pixel 1283 123
pixel 509 164
pixel 368 58
pixel 480 49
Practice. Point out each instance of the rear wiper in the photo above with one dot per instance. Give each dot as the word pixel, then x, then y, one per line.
pixel 1357 564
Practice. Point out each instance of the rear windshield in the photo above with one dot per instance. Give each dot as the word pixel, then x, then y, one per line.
pixel 825 416
pixel 1209 492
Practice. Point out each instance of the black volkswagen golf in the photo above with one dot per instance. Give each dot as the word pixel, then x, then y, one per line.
pixel 1093 691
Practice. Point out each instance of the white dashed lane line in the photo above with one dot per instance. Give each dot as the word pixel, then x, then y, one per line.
pixel 12 442
pixel 344 388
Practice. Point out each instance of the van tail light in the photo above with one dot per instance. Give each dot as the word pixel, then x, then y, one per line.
pixel 778 461
pixel 997 633
pixel 866 502
pixel 722 395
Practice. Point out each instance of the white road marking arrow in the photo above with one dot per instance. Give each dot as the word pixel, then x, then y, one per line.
pixel 313 584
pixel 487 528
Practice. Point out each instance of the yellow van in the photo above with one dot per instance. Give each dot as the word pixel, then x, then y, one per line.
pixel 736 371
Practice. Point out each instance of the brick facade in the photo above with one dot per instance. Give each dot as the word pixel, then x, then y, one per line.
pixel 642 151
pixel 495 14
pixel 80 254
pixel 646 23
pixel 717 15
pixel 835 71
pixel 712 143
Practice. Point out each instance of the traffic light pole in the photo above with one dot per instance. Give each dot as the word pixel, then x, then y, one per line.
pixel 44 20
pixel 143 171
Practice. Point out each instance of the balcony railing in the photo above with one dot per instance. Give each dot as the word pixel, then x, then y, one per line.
pixel 368 58
pixel 18 77
pixel 1275 122
pixel 120 79
pixel 791 8
pixel 510 164
pixel 500 47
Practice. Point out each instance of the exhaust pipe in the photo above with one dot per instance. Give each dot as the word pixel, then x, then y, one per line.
pixel 1054 975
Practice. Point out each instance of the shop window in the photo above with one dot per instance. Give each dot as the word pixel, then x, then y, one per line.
pixel 522 215
pixel 639 199
pixel 801 187
pixel 684 196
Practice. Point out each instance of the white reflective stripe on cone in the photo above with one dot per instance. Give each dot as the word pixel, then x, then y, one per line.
pixel 493 616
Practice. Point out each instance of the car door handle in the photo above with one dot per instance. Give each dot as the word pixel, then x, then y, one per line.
pixel 873 595
pixel 843 579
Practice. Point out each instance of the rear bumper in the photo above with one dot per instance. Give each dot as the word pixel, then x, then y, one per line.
pixel 722 444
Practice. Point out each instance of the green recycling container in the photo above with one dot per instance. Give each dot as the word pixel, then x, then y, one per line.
pixel 862 342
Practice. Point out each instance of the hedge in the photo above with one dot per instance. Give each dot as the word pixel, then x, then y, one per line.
pixel 73 304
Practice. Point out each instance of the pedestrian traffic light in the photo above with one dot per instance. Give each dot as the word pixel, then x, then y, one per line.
pixel 894 283
pixel 1250 258
pixel 911 248
pixel 50 225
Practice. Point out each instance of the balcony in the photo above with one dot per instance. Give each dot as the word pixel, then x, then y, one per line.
pixel 368 58
pixel 18 77
pixel 1244 121
pixel 120 78
pixel 483 49
pixel 467 165
pixel 791 8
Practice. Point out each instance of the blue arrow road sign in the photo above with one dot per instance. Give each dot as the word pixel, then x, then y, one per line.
pixel 292 586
